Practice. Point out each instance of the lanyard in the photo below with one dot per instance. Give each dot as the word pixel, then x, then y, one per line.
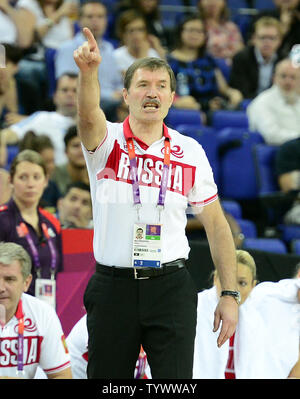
pixel 134 174
pixel 52 249
pixel 141 366
pixel 20 318
pixel 34 250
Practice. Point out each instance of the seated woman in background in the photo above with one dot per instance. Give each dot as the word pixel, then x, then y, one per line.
pixel 44 146
pixel 136 42
pixel 151 13
pixel 224 38
pixel 200 84
pixel 24 222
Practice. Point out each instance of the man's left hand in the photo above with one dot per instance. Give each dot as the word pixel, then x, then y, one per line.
pixel 226 314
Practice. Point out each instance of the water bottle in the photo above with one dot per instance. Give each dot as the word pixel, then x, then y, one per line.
pixel 182 84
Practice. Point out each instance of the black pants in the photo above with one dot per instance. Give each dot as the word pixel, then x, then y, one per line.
pixel 158 313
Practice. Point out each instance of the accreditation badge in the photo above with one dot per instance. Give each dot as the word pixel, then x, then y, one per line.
pixel 45 290
pixel 146 249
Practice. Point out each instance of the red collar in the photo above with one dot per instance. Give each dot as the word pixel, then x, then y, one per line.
pixel 19 312
pixel 128 134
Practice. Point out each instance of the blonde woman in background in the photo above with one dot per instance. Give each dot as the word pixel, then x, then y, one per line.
pixel 266 341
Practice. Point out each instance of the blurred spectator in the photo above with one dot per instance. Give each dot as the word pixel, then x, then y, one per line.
pixel 200 84
pixel 151 13
pixel 93 15
pixel 287 167
pixel 288 13
pixel 252 68
pixel 75 168
pixel 44 146
pixel 275 113
pixel 31 332
pixel 75 208
pixel 224 38
pixel 24 222
pixel 13 30
pixel 9 104
pixel 135 40
pixel 53 124
pixel 51 20
pixel 50 27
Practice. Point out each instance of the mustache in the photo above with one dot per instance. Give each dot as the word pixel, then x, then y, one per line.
pixel 152 101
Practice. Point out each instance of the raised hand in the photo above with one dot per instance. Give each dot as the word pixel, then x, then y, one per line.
pixel 87 56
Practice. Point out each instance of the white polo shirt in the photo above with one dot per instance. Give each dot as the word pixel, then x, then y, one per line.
pixel 44 343
pixel 52 124
pixel 77 342
pixel 190 180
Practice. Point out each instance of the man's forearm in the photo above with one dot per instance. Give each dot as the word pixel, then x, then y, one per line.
pixel 88 95
pixel 91 119
pixel 223 254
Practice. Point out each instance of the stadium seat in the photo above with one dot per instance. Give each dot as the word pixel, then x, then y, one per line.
pixel 233 208
pixel 296 246
pixel 265 244
pixel 223 118
pixel 244 104
pixel 236 4
pixel 195 131
pixel 264 4
pixel 264 157
pixel 12 151
pixel 206 136
pixel 50 65
pixel 237 177
pixel 178 117
pixel 171 12
pixel 248 228
pixel 275 202
pixel 289 232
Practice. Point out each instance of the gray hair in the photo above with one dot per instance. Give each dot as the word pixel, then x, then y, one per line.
pixel 152 64
pixel 9 252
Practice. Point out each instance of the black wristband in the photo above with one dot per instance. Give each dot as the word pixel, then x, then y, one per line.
pixel 235 294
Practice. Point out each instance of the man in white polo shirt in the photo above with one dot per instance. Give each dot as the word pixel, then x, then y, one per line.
pixel 53 124
pixel 30 331
pixel 142 176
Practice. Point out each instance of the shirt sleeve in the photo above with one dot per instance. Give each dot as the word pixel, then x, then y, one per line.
pixel 32 122
pixel 54 352
pixel 204 190
pixel 96 160
pixel 77 342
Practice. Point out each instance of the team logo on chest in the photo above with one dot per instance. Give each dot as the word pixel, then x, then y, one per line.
pixel 176 151
pixel 29 326
pixel 149 170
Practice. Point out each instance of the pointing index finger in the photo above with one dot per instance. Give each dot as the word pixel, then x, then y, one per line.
pixel 90 37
